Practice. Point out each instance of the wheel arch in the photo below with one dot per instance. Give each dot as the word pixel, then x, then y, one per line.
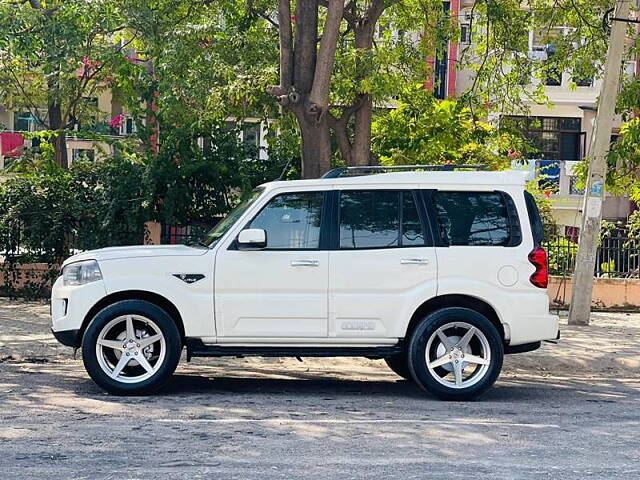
pixel 144 295
pixel 456 300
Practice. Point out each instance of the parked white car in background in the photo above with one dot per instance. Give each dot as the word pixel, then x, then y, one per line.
pixel 439 273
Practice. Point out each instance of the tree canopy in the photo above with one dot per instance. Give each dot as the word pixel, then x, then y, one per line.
pixel 325 70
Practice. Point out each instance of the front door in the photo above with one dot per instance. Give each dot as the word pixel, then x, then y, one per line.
pixel 278 293
pixel 382 264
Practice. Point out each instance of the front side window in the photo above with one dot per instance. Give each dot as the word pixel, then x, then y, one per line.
pixel 379 219
pixel 472 218
pixel 217 232
pixel 292 221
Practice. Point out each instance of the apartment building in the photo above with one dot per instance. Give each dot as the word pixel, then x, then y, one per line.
pixel 16 125
pixel 561 132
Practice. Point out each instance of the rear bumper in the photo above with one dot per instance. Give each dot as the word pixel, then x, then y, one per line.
pixel 531 329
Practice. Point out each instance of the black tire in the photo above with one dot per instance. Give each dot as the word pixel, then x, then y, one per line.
pixel 172 344
pixel 417 354
pixel 399 364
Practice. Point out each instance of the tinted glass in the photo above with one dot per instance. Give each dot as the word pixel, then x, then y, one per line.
pixel 537 228
pixel 412 233
pixel 369 219
pixel 472 218
pixel 292 221
pixel 232 217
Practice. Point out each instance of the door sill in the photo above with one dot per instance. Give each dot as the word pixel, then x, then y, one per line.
pixel 196 348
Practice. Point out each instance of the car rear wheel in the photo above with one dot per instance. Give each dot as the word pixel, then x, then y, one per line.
pixel 455 354
pixel 131 348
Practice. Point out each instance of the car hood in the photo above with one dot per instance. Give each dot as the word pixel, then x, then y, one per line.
pixel 114 253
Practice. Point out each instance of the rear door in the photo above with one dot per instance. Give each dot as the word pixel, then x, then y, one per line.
pixel 479 244
pixel 381 261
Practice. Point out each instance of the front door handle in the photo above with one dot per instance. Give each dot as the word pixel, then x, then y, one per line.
pixel 416 261
pixel 305 263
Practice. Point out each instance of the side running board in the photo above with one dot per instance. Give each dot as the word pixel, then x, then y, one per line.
pixel 195 348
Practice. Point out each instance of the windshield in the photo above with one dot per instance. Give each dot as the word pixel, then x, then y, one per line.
pixel 227 222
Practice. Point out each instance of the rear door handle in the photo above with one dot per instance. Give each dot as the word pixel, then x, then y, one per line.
pixel 305 263
pixel 416 261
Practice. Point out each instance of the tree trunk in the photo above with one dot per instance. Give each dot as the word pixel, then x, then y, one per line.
pixel 361 152
pixel 316 147
pixel 60 140
pixel 340 130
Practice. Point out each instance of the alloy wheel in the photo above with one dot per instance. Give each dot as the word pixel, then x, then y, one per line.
pixel 458 355
pixel 130 348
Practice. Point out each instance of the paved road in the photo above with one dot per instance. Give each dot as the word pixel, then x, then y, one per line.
pixel 570 411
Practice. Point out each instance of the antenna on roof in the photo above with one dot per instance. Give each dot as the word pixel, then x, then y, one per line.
pixel 373 169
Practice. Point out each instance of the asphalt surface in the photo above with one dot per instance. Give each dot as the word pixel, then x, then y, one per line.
pixel 567 411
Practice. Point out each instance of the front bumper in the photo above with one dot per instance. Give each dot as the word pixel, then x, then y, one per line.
pixel 69 308
pixel 68 338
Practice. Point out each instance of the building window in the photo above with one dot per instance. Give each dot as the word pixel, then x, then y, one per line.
pixel 555 138
pixel 582 74
pixel 251 135
pixel 441 64
pixel 573 186
pixel 545 41
pixel 465 33
pixel 24 122
pixel 128 126
pixel 83 154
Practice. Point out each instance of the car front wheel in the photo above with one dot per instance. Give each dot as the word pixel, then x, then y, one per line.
pixel 455 354
pixel 398 364
pixel 131 348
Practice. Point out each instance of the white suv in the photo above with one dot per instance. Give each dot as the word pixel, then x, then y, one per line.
pixel 439 273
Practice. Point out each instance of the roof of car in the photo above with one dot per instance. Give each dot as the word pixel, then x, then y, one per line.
pixel 434 179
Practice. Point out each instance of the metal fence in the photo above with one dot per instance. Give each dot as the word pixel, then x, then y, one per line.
pixel 184 234
pixel 618 256
pixel 18 246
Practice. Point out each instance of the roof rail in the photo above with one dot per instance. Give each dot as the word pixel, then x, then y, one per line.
pixel 373 169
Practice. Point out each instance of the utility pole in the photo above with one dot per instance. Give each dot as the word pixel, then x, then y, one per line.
pixel 580 308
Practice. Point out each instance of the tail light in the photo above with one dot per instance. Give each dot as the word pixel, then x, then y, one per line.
pixel 538 257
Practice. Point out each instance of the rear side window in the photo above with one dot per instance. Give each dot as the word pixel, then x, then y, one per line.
pixel 379 219
pixel 476 218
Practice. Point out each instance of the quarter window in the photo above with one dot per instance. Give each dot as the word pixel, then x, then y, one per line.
pixel 292 221
pixel 379 219
pixel 473 218
pixel 412 231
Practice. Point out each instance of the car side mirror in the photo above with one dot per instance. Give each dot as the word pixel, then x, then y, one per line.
pixel 252 239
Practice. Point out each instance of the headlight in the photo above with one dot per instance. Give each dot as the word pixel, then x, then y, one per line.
pixel 79 273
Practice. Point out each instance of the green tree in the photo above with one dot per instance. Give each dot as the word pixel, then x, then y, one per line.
pixel 55 56
pixel 424 130
pixel 338 59
pixel 568 36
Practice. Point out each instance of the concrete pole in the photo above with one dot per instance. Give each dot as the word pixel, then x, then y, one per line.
pixel 580 308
